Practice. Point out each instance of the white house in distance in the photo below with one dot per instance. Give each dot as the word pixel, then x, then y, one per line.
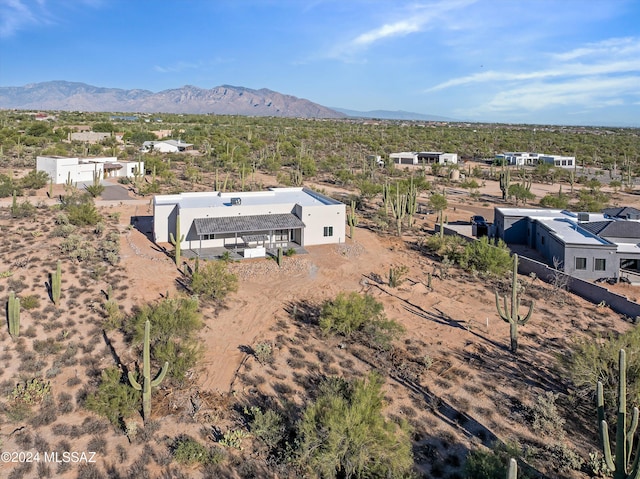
pixel 249 221
pixel 523 158
pixel 166 146
pixel 423 158
pixel 61 168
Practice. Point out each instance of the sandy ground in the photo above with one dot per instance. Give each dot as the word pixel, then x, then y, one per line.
pixel 454 322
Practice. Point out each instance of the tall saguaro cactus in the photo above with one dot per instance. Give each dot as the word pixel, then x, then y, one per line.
pixel 352 219
pixel 505 182
pixel 412 202
pixel 13 313
pixel 56 282
pixel 512 472
pixel 176 241
pixel 512 316
pixel 147 382
pixel 399 208
pixel 621 464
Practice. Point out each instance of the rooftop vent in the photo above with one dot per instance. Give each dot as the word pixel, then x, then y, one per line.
pixel 236 201
pixel 583 217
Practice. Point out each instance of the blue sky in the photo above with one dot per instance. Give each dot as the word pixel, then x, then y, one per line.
pixel 519 61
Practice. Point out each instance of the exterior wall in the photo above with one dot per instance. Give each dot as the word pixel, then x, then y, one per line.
pixel 608 253
pixel 404 158
pixel 449 159
pixel 547 244
pixel 89 136
pixel 513 229
pixel 317 218
pixel 558 161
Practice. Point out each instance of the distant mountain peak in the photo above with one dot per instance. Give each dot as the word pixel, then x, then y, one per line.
pixel 223 100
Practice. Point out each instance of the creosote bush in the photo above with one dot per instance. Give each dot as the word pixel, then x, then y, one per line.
pixel 352 313
pixel 214 281
pixel 344 434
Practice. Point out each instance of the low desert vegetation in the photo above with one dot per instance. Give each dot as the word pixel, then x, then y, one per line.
pixel 353 384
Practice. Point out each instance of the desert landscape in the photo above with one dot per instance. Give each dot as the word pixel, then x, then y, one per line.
pixel 449 376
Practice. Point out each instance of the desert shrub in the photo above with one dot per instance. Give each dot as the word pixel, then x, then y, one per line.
pixel 175 323
pixel 545 417
pixel 343 433
pixel 34 180
pixel 186 450
pixel 114 399
pixel 268 426
pixel 558 201
pixel 214 281
pixel 484 257
pixel 562 458
pixel 263 353
pixel 23 209
pixel 30 302
pixel 484 464
pixel 349 313
pixel 596 360
pixel 80 209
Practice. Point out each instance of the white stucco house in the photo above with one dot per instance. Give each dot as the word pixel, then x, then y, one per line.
pixel 523 158
pixel 166 146
pixel 424 158
pixel 62 168
pixel 249 222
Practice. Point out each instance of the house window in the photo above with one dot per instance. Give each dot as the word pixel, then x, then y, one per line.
pixel 542 240
pixel 581 263
pixel 600 264
pixel 328 231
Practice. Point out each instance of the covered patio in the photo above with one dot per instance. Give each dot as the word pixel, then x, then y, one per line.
pixel 249 236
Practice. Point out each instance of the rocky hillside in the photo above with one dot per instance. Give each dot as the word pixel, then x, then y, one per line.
pixel 223 100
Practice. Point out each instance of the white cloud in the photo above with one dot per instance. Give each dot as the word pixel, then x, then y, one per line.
pixel 14 15
pixel 588 92
pixel 417 18
pixel 17 15
pixel 591 76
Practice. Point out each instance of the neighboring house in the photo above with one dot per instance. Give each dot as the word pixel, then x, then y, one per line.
pixel 424 158
pixel 89 136
pixel 249 221
pixel 523 158
pixel 588 246
pixel 166 146
pixel 558 161
pixel 60 169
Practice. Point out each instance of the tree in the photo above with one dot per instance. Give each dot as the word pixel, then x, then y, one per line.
pixel 344 434
pixel 521 193
pixel 174 323
pixel 484 257
pixel 34 180
pixel 214 281
pixel 353 313
pixel 439 203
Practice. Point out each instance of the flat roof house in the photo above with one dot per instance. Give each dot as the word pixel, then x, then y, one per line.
pixel 589 246
pixel 61 168
pixel 523 158
pixel 251 222
pixel 424 158
pixel 166 146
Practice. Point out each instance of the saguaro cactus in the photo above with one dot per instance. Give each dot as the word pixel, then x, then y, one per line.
pixel 176 241
pixel 505 182
pixel 412 202
pixel 621 464
pixel 13 313
pixel 399 209
pixel 147 382
pixel 56 282
pixel 512 472
pixel 513 316
pixel 352 219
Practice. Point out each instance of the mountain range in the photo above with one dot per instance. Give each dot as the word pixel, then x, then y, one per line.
pixel 220 100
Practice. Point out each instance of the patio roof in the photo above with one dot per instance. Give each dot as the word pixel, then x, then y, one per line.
pixel 246 224
pixel 112 166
